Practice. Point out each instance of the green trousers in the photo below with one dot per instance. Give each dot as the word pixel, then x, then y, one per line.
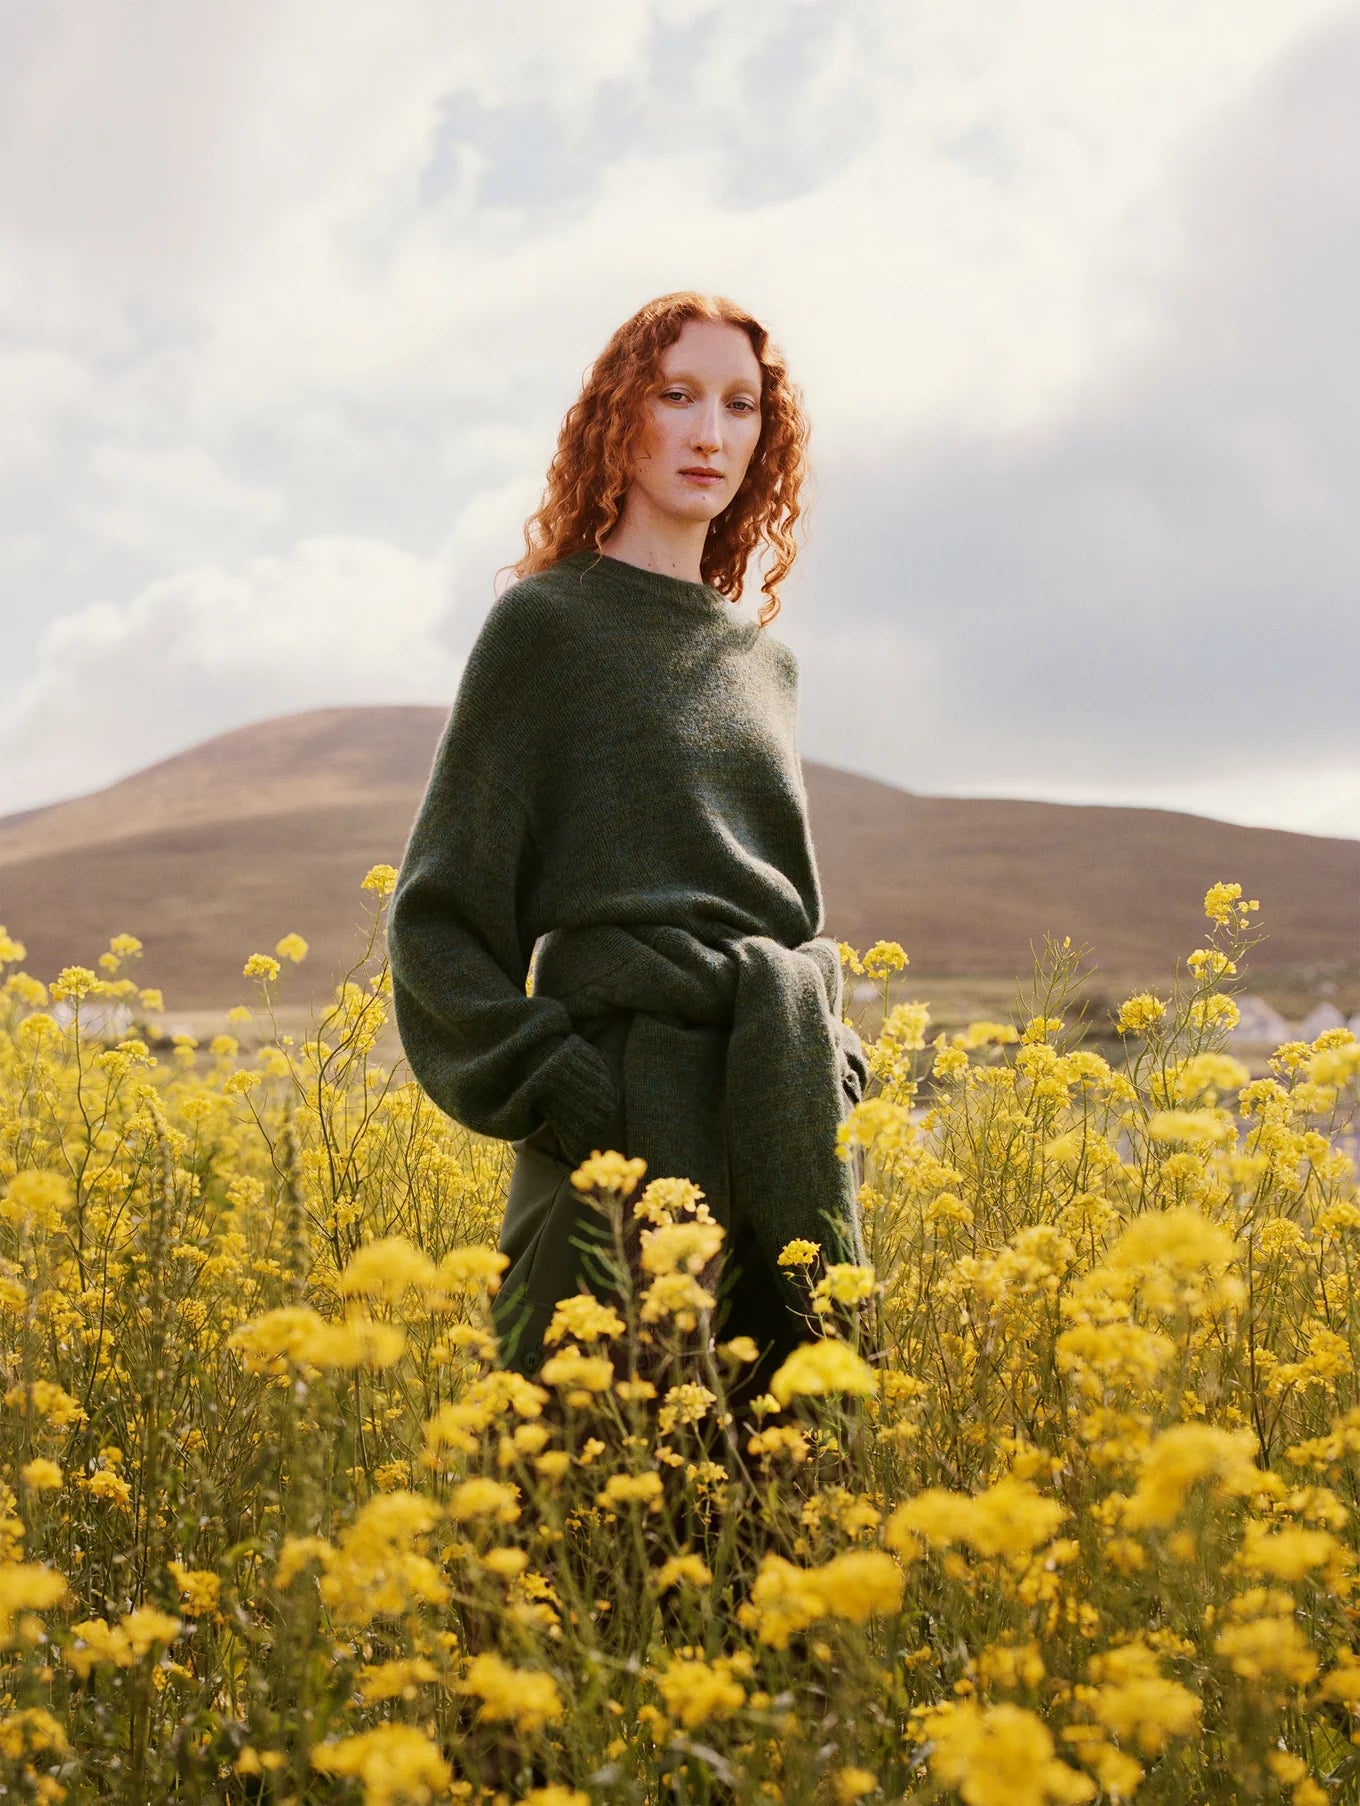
pixel 552 1235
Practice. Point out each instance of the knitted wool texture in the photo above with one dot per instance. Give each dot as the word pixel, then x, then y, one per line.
pixel 619 775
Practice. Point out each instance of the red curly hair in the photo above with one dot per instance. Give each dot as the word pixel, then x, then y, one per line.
pixel 590 470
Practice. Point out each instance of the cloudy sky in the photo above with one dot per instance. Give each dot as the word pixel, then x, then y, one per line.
pixel 293 299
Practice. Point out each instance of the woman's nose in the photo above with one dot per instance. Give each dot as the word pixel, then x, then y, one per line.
pixel 707 433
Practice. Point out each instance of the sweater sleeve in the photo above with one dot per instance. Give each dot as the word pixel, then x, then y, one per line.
pixel 491 1057
pixel 856 1075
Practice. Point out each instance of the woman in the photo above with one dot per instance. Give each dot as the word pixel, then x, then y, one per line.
pixel 619 776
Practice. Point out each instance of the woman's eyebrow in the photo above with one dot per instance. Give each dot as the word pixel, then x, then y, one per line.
pixel 686 376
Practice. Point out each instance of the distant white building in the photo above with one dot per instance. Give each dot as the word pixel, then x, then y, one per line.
pixel 1319 1019
pixel 101 1018
pixel 1261 1025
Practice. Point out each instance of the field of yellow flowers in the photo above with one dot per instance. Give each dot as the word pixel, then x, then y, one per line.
pixel 1057 1503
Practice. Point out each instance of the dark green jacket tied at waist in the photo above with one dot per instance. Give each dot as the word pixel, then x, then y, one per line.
pixel 756 1129
pixel 619 778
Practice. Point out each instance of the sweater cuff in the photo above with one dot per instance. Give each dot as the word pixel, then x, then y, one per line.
pixel 581 1099
pixel 857 1067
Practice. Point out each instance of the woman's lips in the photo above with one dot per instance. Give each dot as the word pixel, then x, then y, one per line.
pixel 694 476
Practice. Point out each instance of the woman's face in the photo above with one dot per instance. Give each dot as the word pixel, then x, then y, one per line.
pixel 703 413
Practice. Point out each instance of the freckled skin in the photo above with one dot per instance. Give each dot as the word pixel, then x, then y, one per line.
pixel 704 410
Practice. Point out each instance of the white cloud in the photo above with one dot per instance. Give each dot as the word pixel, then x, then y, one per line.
pixel 166 500
pixel 335 621
pixel 319 289
pixel 39 390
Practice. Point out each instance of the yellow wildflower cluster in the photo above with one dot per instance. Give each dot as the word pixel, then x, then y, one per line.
pixel 1059 1509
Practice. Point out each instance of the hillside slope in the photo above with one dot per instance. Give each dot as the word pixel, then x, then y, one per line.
pixel 217 852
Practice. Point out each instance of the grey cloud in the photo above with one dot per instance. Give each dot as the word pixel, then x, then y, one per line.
pixel 1172 567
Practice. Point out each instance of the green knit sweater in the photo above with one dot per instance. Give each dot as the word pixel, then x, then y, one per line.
pixel 619 775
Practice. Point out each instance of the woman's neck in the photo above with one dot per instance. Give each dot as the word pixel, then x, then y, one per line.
pixel 665 555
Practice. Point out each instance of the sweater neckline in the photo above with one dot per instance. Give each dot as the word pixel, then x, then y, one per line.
pixel 631 583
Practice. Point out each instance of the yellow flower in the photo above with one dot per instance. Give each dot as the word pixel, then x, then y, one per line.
pixel 818 1368
pixel 1138 1014
pixel 1010 1519
pixel 634 1392
pixel 680 1247
pixel 381 878
pixel 297 1553
pixel 740 1348
pixel 260 965
pixel 505 1564
pixel 74 982
pixel 387 1269
pixel 695 1691
pixel 555 1796
pixel 853 1783
pixel 1269 1649
pixel 856 1586
pixel 1176 1257
pixel 396 1764
pixel 296 1335
pixel 49 1401
pixel 105 1484
pixel 632 1489
pixel 377 1566
pixel 26 1586
pixel 947 1208
pixel 36 1200
pixel 689 1568
pixel 860 1584
pixel 586 1373
pixel 608 1172
pixel 883 958
pixel 1181 1457
pixel 845 1284
pixel 469 1269
pixel 675 1295
pixel 198 1588
pixel 26 1733
pixel 949 1062
pixel 904 1027
pixel 400 1679
pixel 123 1644
pixel 1221 903
pixel 585 1318
pixel 688 1402
pixel 1335 1065
pixel 983 1034
pixel 1203 1073
pixel 1201 1128
pixel 1001 1756
pixel 41 1475
pixel 1342 1682
pixel 780 1439
pixel 667 1200
pixel 482 1498
pixel 1291 1553
pixel 1135 1701
pixel 527 1697
pixel 1210 964
pixel 799 1253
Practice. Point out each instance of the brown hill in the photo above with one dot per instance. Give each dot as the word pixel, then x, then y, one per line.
pixel 217 852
